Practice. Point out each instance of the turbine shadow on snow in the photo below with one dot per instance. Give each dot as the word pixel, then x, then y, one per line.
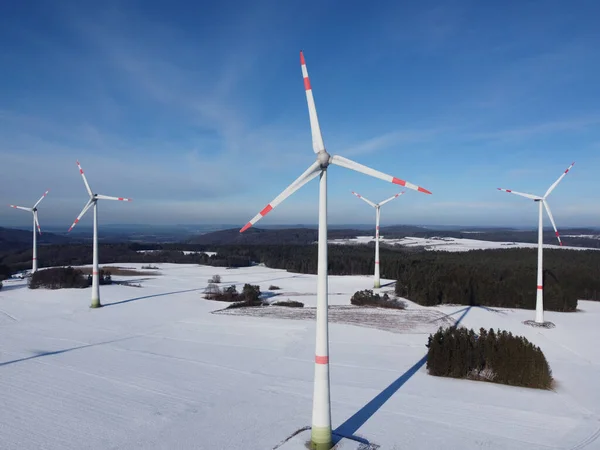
pixel 351 425
pixel 58 352
pixel 151 296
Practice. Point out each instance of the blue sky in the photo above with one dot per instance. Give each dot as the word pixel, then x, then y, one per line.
pixel 197 110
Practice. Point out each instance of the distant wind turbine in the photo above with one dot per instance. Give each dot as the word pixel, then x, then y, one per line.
pixel 93 201
pixel 36 224
pixel 377 206
pixel 321 415
pixel 542 203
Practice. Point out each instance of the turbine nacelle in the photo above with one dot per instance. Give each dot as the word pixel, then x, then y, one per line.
pixel 324 159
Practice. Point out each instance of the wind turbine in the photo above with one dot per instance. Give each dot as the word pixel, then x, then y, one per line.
pixel 321 414
pixel 36 223
pixel 93 201
pixel 377 206
pixel 542 203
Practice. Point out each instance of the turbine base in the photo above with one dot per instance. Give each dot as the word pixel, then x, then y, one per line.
pixel 301 439
pixel 96 303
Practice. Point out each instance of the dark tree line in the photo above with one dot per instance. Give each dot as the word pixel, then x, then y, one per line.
pixel 81 254
pixel 498 357
pixel 505 278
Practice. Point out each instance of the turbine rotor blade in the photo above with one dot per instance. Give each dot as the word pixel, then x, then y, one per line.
pixel 21 207
pixel 37 222
pixel 42 198
pixel 531 196
pixel 362 198
pixel 391 198
pixel 552 221
pixel 308 175
pixel 87 186
pixel 551 188
pixel 107 197
pixel 315 129
pixel 349 164
pixel 83 211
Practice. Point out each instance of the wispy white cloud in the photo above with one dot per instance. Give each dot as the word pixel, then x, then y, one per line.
pixel 546 128
pixel 394 139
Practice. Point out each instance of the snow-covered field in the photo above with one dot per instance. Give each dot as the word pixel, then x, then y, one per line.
pixel 448 243
pixel 185 252
pixel 154 369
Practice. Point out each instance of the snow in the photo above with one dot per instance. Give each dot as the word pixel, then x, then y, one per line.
pixel 155 369
pixel 185 252
pixel 448 243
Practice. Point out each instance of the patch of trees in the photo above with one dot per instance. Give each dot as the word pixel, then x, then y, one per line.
pixel 498 357
pixel 289 303
pixel 368 298
pixel 64 277
pixel 250 295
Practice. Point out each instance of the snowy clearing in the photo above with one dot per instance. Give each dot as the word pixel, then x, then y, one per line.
pixel 154 369
pixel 448 243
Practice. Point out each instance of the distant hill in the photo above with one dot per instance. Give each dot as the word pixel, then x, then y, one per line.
pixel 580 237
pixel 15 239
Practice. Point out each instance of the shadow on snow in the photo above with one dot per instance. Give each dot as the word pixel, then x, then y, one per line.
pixel 151 296
pixel 351 426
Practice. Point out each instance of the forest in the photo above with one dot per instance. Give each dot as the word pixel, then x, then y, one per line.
pixel 503 278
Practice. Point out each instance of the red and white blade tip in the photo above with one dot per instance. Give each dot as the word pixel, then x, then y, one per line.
pixel 266 210
pixel 569 168
pixel 302 61
pixel 403 183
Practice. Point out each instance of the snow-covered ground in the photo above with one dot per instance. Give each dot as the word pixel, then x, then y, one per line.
pixel 154 369
pixel 185 252
pixel 448 243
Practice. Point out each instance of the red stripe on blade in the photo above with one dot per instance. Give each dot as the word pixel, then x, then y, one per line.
pixel 248 225
pixel 322 359
pixel 302 58
pixel 307 84
pixel 424 190
pixel 267 209
pixel 398 181
pixel 121 198
pixel 540 287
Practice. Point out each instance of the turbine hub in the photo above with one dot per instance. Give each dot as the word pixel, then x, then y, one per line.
pixel 323 158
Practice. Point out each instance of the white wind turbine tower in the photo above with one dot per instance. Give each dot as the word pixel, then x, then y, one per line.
pixel 93 201
pixel 377 206
pixel 321 414
pixel 542 203
pixel 36 224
